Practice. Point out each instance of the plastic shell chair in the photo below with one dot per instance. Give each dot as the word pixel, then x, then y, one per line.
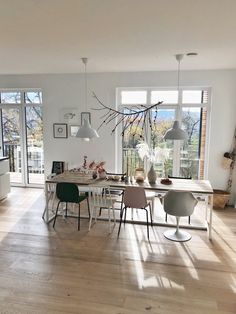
pixel 179 204
pixel 69 193
pixel 100 197
pixel 135 197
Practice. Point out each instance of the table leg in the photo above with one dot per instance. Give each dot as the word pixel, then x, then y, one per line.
pixel 210 217
pixel 46 209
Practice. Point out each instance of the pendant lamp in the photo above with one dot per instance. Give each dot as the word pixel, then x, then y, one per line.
pixel 176 133
pixel 86 132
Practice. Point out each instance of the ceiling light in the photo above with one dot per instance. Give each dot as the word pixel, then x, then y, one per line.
pixel 86 132
pixel 176 133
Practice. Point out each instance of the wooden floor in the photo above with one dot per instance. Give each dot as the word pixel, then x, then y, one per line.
pixel 65 271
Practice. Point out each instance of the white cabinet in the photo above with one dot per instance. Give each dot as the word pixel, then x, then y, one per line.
pixel 4 178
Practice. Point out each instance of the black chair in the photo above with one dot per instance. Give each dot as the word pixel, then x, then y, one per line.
pixel 185 178
pixel 69 193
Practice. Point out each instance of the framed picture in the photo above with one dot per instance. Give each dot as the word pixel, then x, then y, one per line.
pixel 73 130
pixel 60 130
pixel 69 115
pixel 85 116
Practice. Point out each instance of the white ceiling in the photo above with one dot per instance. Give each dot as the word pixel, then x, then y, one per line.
pixel 50 36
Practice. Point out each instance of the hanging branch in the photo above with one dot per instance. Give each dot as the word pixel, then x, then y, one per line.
pixel 128 118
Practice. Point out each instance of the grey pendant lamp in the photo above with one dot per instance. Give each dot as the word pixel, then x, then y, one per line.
pixel 176 133
pixel 86 132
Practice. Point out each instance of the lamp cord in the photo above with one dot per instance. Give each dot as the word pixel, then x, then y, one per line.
pixel 86 85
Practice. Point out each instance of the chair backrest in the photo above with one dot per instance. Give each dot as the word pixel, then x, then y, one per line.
pixel 186 178
pixel 67 192
pixel 135 197
pixel 177 203
pixel 100 196
pixel 58 167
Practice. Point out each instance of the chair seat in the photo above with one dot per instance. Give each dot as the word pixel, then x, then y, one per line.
pixel 105 203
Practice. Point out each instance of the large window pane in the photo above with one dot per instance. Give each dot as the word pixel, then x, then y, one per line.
pixel 190 153
pixel 33 97
pixel 195 96
pixel 132 136
pixel 11 142
pixel 34 135
pixel 10 98
pixel 133 97
pixel 168 96
pixel 164 121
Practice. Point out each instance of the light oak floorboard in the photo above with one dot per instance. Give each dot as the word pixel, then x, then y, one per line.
pixel 43 270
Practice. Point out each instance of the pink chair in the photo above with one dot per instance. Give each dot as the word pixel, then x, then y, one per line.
pixel 135 197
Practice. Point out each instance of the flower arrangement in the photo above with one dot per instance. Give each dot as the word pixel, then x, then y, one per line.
pixel 98 169
pixel 154 155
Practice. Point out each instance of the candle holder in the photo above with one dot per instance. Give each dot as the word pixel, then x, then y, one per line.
pixel 139 175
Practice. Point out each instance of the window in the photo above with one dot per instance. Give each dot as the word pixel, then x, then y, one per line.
pixel 184 158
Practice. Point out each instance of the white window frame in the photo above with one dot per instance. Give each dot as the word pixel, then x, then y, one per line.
pixel 178 113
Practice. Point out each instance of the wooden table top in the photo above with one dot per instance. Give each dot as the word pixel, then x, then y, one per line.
pixel 194 186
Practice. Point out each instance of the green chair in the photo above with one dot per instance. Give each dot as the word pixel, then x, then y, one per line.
pixel 69 193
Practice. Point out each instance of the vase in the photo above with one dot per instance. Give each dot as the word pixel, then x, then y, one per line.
pixel 102 175
pixel 152 176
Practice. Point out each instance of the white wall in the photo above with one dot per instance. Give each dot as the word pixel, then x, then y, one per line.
pixel 67 90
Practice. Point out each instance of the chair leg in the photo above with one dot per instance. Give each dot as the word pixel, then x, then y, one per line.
pixel 147 223
pixel 114 215
pixel 56 214
pixel 66 211
pixel 88 207
pixel 189 220
pixel 166 217
pixel 91 218
pixel 151 212
pixel 125 215
pixel 79 217
pixel 109 218
pixel 121 215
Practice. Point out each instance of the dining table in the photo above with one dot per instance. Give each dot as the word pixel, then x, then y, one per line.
pixel 199 188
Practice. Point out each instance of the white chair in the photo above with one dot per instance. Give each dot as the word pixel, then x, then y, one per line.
pixel 178 204
pixel 100 197
pixel 135 197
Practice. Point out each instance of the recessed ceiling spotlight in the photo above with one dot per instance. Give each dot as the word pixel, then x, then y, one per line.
pixel 191 54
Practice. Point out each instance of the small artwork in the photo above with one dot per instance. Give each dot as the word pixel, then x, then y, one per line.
pixel 60 130
pixel 73 130
pixel 85 116
pixel 69 115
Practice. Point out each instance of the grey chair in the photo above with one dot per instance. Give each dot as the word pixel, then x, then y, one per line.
pixel 179 204
pixel 135 197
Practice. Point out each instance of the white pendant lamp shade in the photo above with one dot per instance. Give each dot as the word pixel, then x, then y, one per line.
pixel 176 133
pixel 86 132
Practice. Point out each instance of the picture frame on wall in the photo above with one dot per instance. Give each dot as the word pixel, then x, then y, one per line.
pixel 60 130
pixel 85 116
pixel 69 115
pixel 73 130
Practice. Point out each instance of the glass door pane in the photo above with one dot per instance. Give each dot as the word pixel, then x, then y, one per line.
pixel 12 147
pixel 164 121
pixel 34 144
pixel 190 152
